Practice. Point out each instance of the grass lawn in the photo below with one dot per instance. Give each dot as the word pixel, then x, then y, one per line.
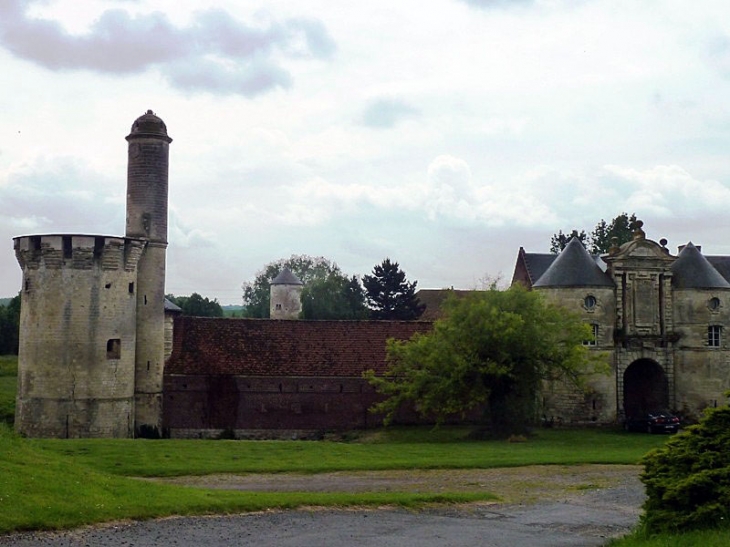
pixel 414 448
pixel 705 538
pixel 8 385
pixel 64 483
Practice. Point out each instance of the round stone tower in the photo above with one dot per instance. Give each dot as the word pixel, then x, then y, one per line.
pixel 285 296
pixel 147 173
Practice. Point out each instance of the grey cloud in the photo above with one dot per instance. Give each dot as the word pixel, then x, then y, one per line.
pixel 384 113
pixel 120 43
pixel 250 79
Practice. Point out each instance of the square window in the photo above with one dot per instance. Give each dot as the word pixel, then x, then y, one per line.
pixel 593 340
pixel 713 336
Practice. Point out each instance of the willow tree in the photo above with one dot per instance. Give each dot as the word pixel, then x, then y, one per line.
pixel 493 349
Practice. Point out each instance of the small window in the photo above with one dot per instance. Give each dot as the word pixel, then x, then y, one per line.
pixel 714 336
pixel 113 348
pixel 131 288
pixel 67 247
pixel 590 302
pixel 714 303
pixel 594 336
pixel 278 306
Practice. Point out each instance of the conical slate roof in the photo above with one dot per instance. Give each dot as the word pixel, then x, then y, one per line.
pixel 691 270
pixel 574 267
pixel 286 278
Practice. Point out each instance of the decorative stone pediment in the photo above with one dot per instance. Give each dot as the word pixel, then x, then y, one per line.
pixel 639 254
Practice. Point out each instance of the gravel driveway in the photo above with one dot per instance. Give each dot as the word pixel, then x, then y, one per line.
pixel 543 506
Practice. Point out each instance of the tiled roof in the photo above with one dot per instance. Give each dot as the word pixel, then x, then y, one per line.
pixel 574 267
pixel 170 307
pixel 286 277
pixel 267 347
pixel 433 299
pixel 691 270
pixel 721 264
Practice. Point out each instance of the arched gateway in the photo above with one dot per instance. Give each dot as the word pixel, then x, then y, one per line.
pixel 645 388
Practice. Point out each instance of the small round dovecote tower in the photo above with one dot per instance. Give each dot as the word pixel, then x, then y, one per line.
pixel 285 296
pixel 147 172
pixel 91 350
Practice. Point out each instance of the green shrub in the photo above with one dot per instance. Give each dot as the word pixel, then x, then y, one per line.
pixel 688 480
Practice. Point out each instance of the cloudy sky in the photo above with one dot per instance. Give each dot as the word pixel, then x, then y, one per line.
pixel 443 134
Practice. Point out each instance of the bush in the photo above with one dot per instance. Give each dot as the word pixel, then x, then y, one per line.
pixel 688 480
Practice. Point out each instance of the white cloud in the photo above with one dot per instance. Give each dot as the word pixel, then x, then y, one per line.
pixel 385 113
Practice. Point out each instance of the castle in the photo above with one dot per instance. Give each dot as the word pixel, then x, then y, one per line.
pixel 98 356
pixel 661 320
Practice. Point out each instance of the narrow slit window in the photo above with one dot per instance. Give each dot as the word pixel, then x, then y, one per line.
pixel 67 247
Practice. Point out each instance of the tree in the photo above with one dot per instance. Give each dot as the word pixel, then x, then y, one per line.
pixel 389 295
pixel 621 227
pixel 688 479
pixel 560 240
pixel 10 326
pixel 334 297
pixel 197 305
pixel 327 292
pixel 492 348
pixel 601 238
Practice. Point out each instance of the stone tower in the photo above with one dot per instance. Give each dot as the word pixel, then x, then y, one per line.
pixel 147 171
pixel 91 353
pixel 285 296
pixel 77 335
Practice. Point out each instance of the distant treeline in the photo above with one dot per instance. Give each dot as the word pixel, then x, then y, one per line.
pixel 9 325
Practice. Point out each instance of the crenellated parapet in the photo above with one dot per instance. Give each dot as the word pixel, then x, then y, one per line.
pixel 78 252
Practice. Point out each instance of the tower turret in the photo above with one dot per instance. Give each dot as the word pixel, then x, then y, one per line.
pixel 285 296
pixel 147 172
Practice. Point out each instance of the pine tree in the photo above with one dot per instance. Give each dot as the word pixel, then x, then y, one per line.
pixel 389 295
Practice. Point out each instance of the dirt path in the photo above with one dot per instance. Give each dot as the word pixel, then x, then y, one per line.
pixel 549 506
pixel 512 485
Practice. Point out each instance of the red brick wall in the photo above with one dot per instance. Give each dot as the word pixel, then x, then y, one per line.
pixel 244 374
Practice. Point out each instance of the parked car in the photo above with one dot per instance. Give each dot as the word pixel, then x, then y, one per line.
pixel 659 421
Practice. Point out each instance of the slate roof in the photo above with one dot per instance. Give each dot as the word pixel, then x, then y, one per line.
pixel 268 347
pixel 285 277
pixel 721 264
pixel 574 267
pixel 691 270
pixel 170 307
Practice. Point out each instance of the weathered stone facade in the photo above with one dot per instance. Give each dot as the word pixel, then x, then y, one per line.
pixel 91 353
pixel 285 300
pixel 661 321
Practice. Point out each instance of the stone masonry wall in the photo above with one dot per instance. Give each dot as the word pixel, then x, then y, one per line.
pixel 80 288
pixel 596 401
pixel 702 372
